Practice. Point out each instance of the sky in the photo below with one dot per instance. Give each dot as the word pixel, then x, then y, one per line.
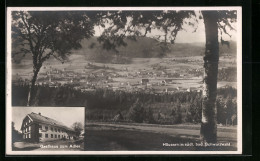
pixel 66 115
pixel 187 35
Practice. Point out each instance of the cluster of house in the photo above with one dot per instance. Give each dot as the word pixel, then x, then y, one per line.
pixel 140 80
pixel 38 128
pixel 195 72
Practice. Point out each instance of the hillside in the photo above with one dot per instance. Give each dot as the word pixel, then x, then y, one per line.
pixel 147 47
pixel 142 48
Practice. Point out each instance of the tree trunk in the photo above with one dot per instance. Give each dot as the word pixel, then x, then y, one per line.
pixel 226 122
pixel 208 131
pixel 31 94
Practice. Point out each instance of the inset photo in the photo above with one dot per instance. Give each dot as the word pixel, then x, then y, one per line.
pixel 47 128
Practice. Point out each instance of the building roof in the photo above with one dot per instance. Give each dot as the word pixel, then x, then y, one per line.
pixel 46 120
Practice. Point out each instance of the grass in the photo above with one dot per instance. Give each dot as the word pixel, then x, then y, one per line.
pixel 134 138
pixel 176 126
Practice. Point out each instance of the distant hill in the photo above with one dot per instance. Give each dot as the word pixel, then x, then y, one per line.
pixel 148 47
pixel 143 48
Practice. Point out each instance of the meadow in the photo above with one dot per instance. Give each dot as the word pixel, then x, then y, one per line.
pixel 147 137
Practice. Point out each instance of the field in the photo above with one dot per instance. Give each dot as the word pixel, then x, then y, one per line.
pixel 105 136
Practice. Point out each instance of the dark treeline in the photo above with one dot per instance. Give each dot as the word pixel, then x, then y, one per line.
pixel 104 104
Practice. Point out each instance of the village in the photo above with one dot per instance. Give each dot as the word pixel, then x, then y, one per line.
pixel 155 78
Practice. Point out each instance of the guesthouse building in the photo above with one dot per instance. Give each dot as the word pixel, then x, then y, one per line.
pixel 38 128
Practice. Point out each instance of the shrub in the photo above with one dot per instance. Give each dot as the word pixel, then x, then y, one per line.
pixel 176 115
pixel 136 112
pixel 149 118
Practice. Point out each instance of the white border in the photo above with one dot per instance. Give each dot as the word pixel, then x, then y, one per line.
pixel 9 87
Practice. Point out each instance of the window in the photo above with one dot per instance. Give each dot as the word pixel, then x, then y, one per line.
pixel 55 136
pixel 51 135
pixel 46 135
pixel 58 130
pixel 29 121
pixel 51 129
pixel 26 136
pixel 46 128
pixel 55 130
pixel 40 127
pixel 29 135
pixel 29 128
pixel 58 136
pixel 40 135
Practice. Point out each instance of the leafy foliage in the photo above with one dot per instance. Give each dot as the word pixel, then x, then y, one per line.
pixel 225 20
pixel 132 24
pixel 149 116
pixel 52 33
pixel 136 112
pixel 177 114
pixel 16 135
pixel 193 113
pixel 78 127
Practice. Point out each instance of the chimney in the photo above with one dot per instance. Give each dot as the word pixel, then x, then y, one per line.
pixel 39 113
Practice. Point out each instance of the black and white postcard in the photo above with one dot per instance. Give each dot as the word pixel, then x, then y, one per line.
pixel 137 80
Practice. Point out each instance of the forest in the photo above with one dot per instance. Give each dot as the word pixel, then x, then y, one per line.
pixel 104 105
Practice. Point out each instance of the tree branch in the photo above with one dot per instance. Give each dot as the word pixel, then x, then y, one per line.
pixel 58 58
pixel 29 33
pixel 47 56
pixel 148 28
